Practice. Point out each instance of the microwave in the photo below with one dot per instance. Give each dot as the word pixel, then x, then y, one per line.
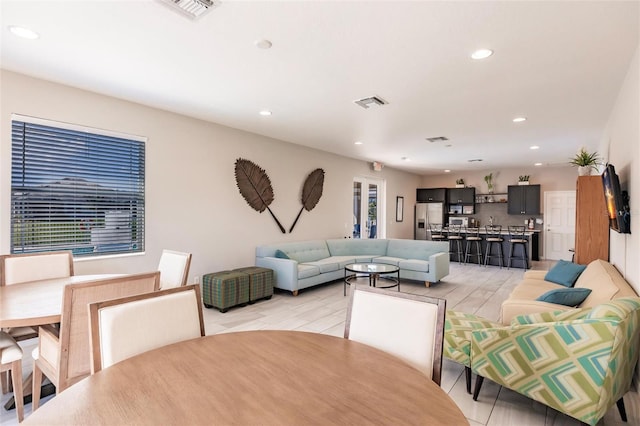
pixel 463 221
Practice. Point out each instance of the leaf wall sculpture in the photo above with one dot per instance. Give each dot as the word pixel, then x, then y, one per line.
pixel 311 193
pixel 255 186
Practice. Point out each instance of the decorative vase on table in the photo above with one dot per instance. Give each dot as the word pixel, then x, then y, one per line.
pixel 584 170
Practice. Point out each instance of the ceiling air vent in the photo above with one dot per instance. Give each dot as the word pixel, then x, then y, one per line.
pixel 438 139
pixel 371 101
pixel 193 9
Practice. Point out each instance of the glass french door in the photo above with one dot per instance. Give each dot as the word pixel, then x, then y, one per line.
pixel 368 208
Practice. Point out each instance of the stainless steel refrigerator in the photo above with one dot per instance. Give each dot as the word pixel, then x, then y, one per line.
pixel 427 214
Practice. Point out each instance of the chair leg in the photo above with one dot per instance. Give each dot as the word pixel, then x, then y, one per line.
pixel 37 383
pixel 6 385
pixel 467 375
pixel 18 396
pixel 621 409
pixel 476 391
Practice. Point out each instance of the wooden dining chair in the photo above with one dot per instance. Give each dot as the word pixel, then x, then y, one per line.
pixel 174 269
pixel 11 359
pixel 63 354
pixel 408 326
pixel 122 328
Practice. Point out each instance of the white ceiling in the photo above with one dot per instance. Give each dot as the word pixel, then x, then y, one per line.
pixel 559 63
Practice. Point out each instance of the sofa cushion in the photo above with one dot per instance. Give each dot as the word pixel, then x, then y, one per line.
pixel 306 271
pixel 357 247
pixel 395 261
pixel 282 255
pixel 564 273
pixel 415 249
pixel 414 265
pixel 325 265
pixel 532 289
pixel 307 251
pixel 605 282
pixel 565 296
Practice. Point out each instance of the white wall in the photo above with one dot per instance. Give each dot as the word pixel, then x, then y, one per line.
pixel 192 202
pixel 621 140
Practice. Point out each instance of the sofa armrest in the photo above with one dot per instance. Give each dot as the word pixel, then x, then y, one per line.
pixel 440 264
pixel 535 275
pixel 285 271
pixel 511 308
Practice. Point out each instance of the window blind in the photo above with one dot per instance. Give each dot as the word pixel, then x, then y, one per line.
pixel 75 189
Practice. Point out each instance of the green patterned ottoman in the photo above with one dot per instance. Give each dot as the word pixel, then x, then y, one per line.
pixel 225 289
pixel 260 282
pixel 457 338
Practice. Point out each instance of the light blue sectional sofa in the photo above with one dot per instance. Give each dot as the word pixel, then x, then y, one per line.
pixel 299 265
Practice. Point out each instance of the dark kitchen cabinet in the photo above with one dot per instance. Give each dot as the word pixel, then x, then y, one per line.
pixel 431 195
pixel 461 196
pixel 524 199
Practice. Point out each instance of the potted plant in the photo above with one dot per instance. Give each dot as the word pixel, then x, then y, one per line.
pixel 523 180
pixel 585 161
pixel 489 180
pixel 460 183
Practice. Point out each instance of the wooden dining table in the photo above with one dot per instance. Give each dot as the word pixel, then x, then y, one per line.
pixel 255 377
pixel 35 303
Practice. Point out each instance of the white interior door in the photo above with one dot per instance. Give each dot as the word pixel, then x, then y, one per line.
pixel 559 224
pixel 368 208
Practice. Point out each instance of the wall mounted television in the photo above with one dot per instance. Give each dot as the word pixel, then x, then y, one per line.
pixel 617 201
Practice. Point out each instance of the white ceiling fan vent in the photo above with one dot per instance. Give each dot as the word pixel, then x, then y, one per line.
pixel 193 9
pixel 371 101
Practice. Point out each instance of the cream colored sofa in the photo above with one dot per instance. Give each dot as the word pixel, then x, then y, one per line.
pixel 600 276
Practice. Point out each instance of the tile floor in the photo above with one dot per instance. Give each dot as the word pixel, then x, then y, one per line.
pixel 468 288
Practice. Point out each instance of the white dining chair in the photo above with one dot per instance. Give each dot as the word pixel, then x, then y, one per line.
pixel 122 328
pixel 11 359
pixel 21 268
pixel 174 268
pixel 408 326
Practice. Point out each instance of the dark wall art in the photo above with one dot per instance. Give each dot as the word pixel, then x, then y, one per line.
pixel 255 187
pixel 311 193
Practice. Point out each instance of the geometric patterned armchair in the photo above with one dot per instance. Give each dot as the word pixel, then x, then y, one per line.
pixel 579 362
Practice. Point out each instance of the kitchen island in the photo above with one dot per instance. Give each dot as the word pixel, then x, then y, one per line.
pixel 532 237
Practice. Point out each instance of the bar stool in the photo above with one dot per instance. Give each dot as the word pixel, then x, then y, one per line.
pixel 473 236
pixel 455 241
pixel 516 237
pixel 437 233
pixel 494 236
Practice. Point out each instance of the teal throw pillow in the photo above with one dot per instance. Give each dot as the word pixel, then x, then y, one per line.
pixel 565 296
pixel 564 273
pixel 281 255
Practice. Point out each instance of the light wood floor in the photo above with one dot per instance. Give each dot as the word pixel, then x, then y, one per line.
pixel 467 288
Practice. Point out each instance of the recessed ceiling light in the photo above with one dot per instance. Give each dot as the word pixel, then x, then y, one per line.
pixel 534 147
pixel 23 32
pixel 406 159
pixel 447 171
pixel 482 53
pixel 538 164
pixel 357 143
pixel 265 113
pixel 519 119
pixel 263 44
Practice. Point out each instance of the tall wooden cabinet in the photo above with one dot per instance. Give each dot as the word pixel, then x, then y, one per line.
pixel 592 221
